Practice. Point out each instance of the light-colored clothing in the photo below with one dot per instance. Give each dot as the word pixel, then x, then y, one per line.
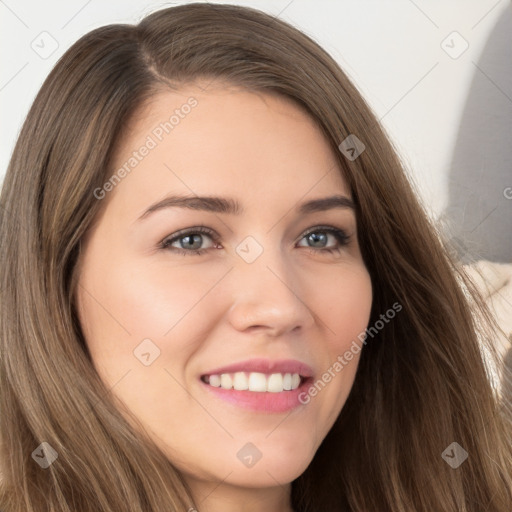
pixel 494 281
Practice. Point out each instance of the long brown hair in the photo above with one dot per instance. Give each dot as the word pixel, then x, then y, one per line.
pixel 421 384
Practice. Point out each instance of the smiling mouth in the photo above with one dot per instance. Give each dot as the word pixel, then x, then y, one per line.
pixel 256 381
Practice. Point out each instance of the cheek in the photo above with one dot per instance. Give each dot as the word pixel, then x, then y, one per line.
pixel 129 311
pixel 344 305
pixel 137 303
pixel 122 307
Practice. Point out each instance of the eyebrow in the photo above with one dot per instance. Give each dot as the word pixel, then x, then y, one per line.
pixel 232 207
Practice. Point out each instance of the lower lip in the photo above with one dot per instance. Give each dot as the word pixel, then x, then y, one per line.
pixel 263 401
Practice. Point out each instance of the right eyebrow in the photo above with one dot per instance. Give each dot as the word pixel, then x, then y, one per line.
pixel 207 203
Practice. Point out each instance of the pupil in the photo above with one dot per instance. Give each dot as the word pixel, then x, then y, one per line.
pixel 191 237
pixel 317 237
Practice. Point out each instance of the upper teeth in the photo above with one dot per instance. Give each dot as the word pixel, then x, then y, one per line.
pixel 254 381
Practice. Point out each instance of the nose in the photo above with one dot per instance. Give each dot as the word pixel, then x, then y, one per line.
pixel 268 297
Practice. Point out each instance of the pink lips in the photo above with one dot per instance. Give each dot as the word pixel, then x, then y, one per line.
pixel 266 366
pixel 264 401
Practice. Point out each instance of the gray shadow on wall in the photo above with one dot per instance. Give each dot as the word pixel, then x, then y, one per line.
pixel 479 212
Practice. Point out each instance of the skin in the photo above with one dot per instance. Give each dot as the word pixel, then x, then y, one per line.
pixel 209 310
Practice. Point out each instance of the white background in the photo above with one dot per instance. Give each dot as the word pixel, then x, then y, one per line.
pixel 449 118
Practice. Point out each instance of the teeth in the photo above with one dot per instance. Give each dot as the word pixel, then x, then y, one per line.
pixel 275 383
pixel 240 381
pixel 255 381
pixel 226 381
pixel 215 380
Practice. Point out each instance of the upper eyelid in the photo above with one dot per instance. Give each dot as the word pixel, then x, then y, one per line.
pixel 204 230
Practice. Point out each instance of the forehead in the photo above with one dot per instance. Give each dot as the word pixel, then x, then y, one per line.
pixel 227 141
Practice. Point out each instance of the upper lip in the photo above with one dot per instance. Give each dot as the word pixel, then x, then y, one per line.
pixel 266 366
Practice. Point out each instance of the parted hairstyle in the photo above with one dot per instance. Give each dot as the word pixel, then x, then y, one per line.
pixel 421 383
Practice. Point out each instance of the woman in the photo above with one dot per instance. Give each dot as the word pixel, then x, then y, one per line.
pixel 219 291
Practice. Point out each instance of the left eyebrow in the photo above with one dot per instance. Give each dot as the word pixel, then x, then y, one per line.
pixel 231 206
pixel 326 203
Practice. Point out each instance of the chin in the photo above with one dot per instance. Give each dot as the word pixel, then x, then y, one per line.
pixel 272 469
pixel 265 476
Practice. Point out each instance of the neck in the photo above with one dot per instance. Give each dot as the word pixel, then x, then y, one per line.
pixel 212 497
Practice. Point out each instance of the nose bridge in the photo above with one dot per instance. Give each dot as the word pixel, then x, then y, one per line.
pixel 265 291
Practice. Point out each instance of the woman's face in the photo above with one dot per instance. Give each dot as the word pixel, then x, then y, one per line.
pixel 274 284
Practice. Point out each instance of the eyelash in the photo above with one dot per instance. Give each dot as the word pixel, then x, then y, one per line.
pixel 341 236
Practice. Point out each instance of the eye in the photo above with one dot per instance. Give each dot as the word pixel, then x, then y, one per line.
pixel 189 241
pixel 319 236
